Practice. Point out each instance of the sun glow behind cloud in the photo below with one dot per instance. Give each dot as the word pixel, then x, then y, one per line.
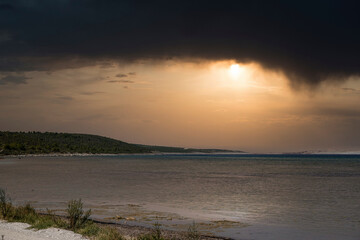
pixel 235 71
pixel 183 103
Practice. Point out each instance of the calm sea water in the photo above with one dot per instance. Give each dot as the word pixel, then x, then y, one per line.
pixel 272 196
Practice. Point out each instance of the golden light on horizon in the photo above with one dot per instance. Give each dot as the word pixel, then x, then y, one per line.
pixel 175 102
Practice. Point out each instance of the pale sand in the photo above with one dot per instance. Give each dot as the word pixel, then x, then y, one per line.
pixel 17 231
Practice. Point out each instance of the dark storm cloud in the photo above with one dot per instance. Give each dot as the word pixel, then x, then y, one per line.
pixel 351 90
pixel 120 81
pixel 4 37
pixel 308 40
pixel 63 98
pixel 13 80
pixel 90 93
pixel 6 6
pixel 121 75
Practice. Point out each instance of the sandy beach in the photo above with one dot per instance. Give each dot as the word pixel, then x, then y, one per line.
pixel 16 231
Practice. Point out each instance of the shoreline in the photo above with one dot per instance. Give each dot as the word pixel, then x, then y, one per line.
pixel 356 153
pixel 113 154
pixel 141 230
pixel 19 230
pixel 133 230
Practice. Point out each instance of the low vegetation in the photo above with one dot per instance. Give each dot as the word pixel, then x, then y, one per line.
pixel 77 220
pixel 17 143
pixel 77 217
pixel 193 233
pixel 22 143
pixel 155 235
pixel 5 204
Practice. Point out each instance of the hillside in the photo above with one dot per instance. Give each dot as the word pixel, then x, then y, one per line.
pixel 16 143
pixel 42 143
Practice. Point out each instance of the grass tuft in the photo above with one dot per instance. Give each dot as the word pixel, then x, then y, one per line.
pixel 76 214
pixel 43 223
pixel 90 229
pixel 109 233
pixel 5 204
pixel 155 235
pixel 193 233
pixel 78 221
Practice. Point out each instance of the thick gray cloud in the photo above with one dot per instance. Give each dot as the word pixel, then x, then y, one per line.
pixel 13 80
pixel 351 90
pixel 121 75
pixel 4 37
pixel 120 81
pixel 62 99
pixel 90 93
pixel 309 40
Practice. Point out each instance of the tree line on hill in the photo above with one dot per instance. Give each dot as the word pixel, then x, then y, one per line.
pixel 21 143
pixel 16 143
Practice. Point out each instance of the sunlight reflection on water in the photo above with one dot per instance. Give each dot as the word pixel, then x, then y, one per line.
pixel 318 195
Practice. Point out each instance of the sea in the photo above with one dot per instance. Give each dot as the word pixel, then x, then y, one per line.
pixel 239 196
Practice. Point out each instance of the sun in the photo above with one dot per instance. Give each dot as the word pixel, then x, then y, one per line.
pixel 235 70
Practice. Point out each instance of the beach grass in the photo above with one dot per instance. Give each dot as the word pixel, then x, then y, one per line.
pixel 77 220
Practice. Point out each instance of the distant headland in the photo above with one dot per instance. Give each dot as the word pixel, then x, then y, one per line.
pixel 25 143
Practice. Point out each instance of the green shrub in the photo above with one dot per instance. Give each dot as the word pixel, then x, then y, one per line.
pixel 109 233
pixel 193 233
pixel 25 214
pixel 59 222
pixel 157 231
pixel 90 229
pixel 78 220
pixel 5 204
pixel 156 234
pixel 43 222
pixel 76 214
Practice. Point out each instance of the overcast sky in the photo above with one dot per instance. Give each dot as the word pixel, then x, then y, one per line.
pixel 251 75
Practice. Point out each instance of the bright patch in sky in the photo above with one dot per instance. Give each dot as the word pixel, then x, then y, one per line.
pixel 209 104
pixel 235 70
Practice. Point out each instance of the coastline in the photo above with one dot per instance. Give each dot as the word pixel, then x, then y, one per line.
pixel 133 231
pixel 113 154
pixel 20 230
pixel 356 153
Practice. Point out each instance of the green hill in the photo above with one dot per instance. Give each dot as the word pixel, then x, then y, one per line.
pixel 42 143
pixel 17 143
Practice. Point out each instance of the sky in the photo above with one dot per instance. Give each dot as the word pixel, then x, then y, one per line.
pixel 244 75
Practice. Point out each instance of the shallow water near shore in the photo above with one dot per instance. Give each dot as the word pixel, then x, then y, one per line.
pixel 239 196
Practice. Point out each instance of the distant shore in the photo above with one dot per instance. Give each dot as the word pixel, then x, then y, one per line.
pixel 19 143
pixel 170 153
pixel 111 154
pixel 69 155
